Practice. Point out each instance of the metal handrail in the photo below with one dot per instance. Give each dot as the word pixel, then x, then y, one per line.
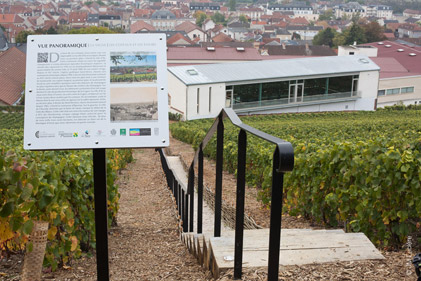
pixel 283 161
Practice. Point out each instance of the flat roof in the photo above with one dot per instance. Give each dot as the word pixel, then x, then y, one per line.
pixel 271 69
pixel 407 56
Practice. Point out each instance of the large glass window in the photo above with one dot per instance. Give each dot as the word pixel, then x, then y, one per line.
pixel 341 84
pixel 315 87
pixel 246 93
pixel 407 90
pixel 275 90
pixel 393 91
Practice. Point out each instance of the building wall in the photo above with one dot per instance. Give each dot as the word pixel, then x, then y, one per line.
pixel 346 50
pixel 367 87
pixel 400 82
pixel 177 90
pixel 217 100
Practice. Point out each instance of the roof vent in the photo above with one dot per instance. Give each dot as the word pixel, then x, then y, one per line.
pixel 210 49
pixel 380 43
pixel 192 72
pixel 400 50
pixel 363 61
pixel 240 49
pixel 412 54
pixel 388 46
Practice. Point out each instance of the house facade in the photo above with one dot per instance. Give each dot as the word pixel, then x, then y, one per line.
pixel 275 86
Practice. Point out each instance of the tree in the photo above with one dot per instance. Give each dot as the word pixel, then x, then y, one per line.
pixel 218 18
pixel 90 30
pixel 373 32
pixel 296 36
pixel 325 37
pixel 2 27
pixel 355 33
pixel 243 19
pixel 23 35
pixel 200 17
pixel 327 15
pixel 51 30
pixel 232 4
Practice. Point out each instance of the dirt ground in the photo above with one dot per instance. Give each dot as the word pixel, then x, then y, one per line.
pixel 146 246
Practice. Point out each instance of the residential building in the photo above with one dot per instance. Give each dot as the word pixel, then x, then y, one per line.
pixel 409 30
pixel 412 13
pixel 378 11
pixel 12 76
pixel 349 10
pixel 298 8
pixel 204 6
pixel 274 86
pixel 194 32
pixel 400 70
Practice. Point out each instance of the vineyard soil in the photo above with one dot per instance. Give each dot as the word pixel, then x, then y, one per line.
pixel 145 244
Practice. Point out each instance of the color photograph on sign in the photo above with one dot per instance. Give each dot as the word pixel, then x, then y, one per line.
pixel 90 91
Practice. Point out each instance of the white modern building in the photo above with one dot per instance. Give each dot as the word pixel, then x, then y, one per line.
pixel 274 86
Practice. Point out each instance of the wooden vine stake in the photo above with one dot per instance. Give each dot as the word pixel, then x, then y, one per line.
pixel 32 267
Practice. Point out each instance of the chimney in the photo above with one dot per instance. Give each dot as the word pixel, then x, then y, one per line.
pixel 283 45
pixel 307 48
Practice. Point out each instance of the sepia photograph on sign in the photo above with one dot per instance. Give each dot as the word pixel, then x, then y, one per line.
pixel 133 104
pixel 133 68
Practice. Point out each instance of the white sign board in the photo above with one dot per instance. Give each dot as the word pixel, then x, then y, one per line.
pixel 96 91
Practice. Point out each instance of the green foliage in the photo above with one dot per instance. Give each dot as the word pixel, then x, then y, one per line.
pixel 355 33
pixel 232 4
pixel 359 168
pixel 327 15
pixel 11 119
pixel 174 116
pixel 200 17
pixel 23 35
pixel 243 19
pixel 325 37
pixel 218 18
pixel 90 30
pixel 52 186
pixel 373 32
pixel 2 27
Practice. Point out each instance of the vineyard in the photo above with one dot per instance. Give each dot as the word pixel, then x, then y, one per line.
pixel 358 169
pixel 130 78
pixel 53 186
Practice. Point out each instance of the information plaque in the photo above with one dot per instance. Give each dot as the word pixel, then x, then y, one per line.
pixel 96 91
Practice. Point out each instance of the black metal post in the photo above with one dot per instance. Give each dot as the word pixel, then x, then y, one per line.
pixel 239 215
pixel 191 194
pixel 275 219
pixel 200 192
pixel 101 215
pixel 218 181
pixel 185 210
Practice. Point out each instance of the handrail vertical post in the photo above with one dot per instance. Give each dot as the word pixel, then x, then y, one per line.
pixel 275 219
pixel 191 194
pixel 218 181
pixel 200 192
pixel 239 216
pixel 184 210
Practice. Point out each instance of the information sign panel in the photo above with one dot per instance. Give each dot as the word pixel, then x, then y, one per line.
pixel 96 91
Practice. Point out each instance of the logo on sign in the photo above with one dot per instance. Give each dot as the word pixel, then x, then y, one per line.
pixel 122 132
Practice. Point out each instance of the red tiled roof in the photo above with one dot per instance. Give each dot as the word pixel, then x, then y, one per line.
pixel 187 26
pixel 10 18
pixel 410 26
pixel 140 25
pixel 220 53
pixel 141 13
pixel 178 38
pixel 411 63
pixel 78 17
pixel 222 37
pixel 414 12
pixel 12 75
pixel 299 21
